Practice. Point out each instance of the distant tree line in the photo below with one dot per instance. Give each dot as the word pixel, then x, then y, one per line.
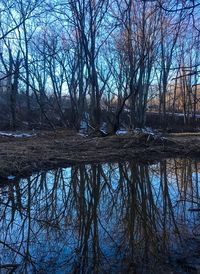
pixel 62 61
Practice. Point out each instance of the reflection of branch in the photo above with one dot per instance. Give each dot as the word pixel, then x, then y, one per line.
pixel 13 266
pixel 179 9
pixel 185 200
pixel 16 251
pixel 107 232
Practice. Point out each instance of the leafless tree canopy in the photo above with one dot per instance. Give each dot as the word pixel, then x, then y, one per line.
pixel 70 63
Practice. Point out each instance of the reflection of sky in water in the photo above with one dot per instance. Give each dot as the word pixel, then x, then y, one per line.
pixel 59 218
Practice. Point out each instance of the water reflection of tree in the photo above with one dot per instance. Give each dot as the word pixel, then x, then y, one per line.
pixel 94 218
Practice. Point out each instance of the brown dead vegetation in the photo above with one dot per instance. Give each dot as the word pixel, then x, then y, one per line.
pixel 47 150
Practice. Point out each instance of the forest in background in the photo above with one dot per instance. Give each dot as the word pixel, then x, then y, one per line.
pixel 65 62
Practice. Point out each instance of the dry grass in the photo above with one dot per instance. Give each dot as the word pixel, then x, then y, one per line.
pixel 21 156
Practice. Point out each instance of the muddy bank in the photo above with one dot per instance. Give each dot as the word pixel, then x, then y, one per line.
pixel 46 150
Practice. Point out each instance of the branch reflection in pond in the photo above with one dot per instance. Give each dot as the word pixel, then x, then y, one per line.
pixel 99 218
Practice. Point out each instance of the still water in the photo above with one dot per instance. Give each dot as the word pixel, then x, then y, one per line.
pixel 103 218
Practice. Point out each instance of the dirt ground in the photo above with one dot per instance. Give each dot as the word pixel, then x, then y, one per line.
pixel 46 150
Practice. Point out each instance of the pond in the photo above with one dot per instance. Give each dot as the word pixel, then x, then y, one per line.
pixel 103 218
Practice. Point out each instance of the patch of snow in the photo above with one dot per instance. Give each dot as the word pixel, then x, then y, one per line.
pixel 103 128
pixel 11 177
pixel 182 114
pixel 82 135
pixel 122 132
pixel 152 133
pixel 17 135
pixel 103 131
pixel 85 120
pixel 127 110
pixel 83 124
pixel 86 115
pixel 146 130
